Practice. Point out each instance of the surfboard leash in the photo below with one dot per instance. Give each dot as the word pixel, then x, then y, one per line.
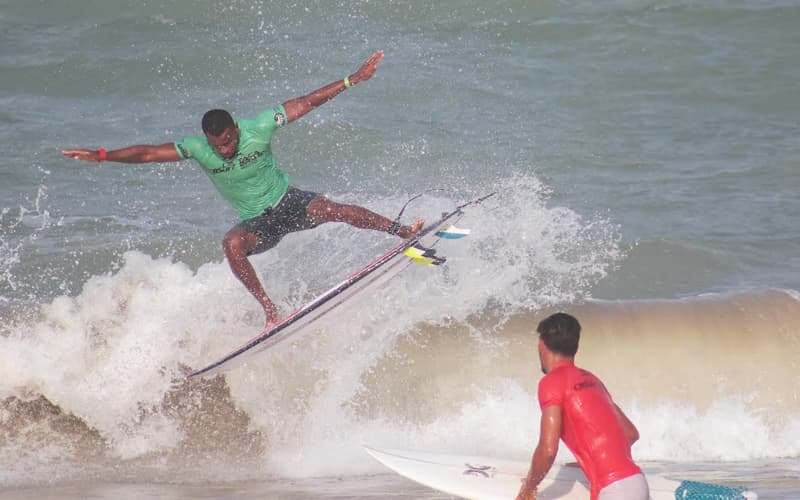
pixel 477 201
pixel 395 226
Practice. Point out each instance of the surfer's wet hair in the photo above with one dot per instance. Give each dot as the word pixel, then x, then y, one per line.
pixel 216 121
pixel 560 332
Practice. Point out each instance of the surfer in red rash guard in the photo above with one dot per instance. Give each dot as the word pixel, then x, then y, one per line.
pixel 237 157
pixel 577 408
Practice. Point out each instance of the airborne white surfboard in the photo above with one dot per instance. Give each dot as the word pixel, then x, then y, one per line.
pixel 418 248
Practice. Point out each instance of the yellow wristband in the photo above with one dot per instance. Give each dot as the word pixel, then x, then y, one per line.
pixel 347 84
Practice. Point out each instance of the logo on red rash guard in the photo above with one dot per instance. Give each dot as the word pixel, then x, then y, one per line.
pixel 583 385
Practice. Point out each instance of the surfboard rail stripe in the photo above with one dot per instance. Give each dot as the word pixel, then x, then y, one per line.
pixel 336 295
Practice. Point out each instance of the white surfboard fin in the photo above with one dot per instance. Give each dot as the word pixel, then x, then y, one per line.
pixel 452 233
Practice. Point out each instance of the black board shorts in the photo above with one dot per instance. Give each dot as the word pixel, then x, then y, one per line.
pixel 288 216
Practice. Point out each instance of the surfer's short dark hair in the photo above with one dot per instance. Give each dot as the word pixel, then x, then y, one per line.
pixel 561 333
pixel 216 121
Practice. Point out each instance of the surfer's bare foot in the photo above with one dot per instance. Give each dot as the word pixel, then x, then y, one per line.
pixel 272 315
pixel 272 321
pixel 409 231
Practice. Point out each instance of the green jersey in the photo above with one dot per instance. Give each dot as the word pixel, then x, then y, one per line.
pixel 250 180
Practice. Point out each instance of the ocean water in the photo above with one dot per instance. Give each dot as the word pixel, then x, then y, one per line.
pixel 645 154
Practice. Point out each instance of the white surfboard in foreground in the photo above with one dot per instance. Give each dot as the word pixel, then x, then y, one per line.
pixel 483 478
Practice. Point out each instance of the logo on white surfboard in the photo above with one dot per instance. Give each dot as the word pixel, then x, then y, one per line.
pixel 479 470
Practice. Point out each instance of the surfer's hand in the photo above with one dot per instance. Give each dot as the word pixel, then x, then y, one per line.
pixel 526 493
pixel 82 154
pixel 367 69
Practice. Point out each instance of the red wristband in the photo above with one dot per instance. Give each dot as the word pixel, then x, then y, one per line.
pixel 102 154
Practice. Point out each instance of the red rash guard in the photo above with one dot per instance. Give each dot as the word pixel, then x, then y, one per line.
pixel 591 427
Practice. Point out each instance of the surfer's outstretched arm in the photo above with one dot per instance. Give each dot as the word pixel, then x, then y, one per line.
pixel 140 153
pixel 299 106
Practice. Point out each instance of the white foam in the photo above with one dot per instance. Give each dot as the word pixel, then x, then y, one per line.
pixel 110 354
pixel 503 422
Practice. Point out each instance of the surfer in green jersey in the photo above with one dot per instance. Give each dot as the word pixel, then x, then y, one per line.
pixel 237 157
